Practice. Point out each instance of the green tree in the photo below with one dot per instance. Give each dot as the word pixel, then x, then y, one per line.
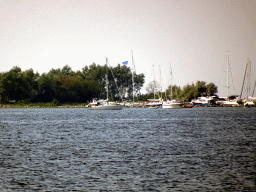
pixel 176 92
pixel 30 84
pixel 96 73
pixel 2 95
pixel 65 85
pixel 139 81
pixel 189 92
pixel 66 70
pixel 12 84
pixel 119 77
pixel 54 72
pixel 192 91
pixel 211 89
pixel 46 92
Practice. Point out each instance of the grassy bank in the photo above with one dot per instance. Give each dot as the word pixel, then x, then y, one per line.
pixel 42 105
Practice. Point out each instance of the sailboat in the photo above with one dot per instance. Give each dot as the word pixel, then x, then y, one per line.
pixel 172 103
pixel 250 101
pixel 154 103
pixel 105 104
pixel 230 100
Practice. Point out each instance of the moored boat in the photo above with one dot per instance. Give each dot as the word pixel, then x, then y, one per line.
pixel 105 104
pixel 171 104
pixel 154 103
pixel 230 101
pixel 203 101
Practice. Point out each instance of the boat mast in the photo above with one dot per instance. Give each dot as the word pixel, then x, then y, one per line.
pixel 107 76
pixel 171 81
pixel 133 70
pixel 227 75
pixel 249 78
pixel 160 81
pixel 254 89
pixel 154 82
pixel 243 80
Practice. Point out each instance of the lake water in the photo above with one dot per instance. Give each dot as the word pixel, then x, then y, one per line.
pixel 135 149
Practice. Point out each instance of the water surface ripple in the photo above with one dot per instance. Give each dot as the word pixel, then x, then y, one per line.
pixel 136 149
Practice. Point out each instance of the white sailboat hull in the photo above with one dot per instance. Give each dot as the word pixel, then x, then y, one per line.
pixel 106 107
pixel 105 104
pixel 171 106
pixel 227 103
pixel 154 107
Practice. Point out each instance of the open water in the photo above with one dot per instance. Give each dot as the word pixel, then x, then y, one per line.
pixel 135 149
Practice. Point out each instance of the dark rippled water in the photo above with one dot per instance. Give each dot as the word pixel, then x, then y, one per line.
pixel 198 149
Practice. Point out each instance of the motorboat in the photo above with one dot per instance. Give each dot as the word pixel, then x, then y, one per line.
pixel 232 101
pixel 203 101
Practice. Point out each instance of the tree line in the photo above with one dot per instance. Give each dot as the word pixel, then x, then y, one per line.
pixel 64 85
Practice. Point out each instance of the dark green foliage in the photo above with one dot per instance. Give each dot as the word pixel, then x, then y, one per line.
pixel 64 85
pixel 55 102
pixel 193 91
pixel 46 90
pixel 13 85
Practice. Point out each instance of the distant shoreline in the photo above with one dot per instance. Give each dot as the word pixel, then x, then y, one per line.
pixel 41 106
pixel 86 106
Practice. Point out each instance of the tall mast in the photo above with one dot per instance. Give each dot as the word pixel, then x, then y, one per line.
pixel 154 81
pixel 107 76
pixel 171 81
pixel 160 81
pixel 243 80
pixel 227 75
pixel 253 89
pixel 249 78
pixel 133 70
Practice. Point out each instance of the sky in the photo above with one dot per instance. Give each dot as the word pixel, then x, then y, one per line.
pixel 192 37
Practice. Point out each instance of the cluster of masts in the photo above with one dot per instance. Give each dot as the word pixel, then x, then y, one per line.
pixel 174 103
pixel 247 81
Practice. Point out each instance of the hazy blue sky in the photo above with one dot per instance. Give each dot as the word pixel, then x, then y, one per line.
pixel 191 35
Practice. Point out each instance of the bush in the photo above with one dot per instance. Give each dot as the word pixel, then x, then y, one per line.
pixel 55 102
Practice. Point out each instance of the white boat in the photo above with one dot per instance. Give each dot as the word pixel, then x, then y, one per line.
pixel 171 104
pixel 154 103
pixel 154 107
pixel 250 101
pixel 203 101
pixel 105 104
pixel 232 101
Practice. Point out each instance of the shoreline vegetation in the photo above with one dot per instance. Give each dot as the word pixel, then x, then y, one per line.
pixel 43 105
pixel 60 86
pixel 80 106
pixel 140 104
